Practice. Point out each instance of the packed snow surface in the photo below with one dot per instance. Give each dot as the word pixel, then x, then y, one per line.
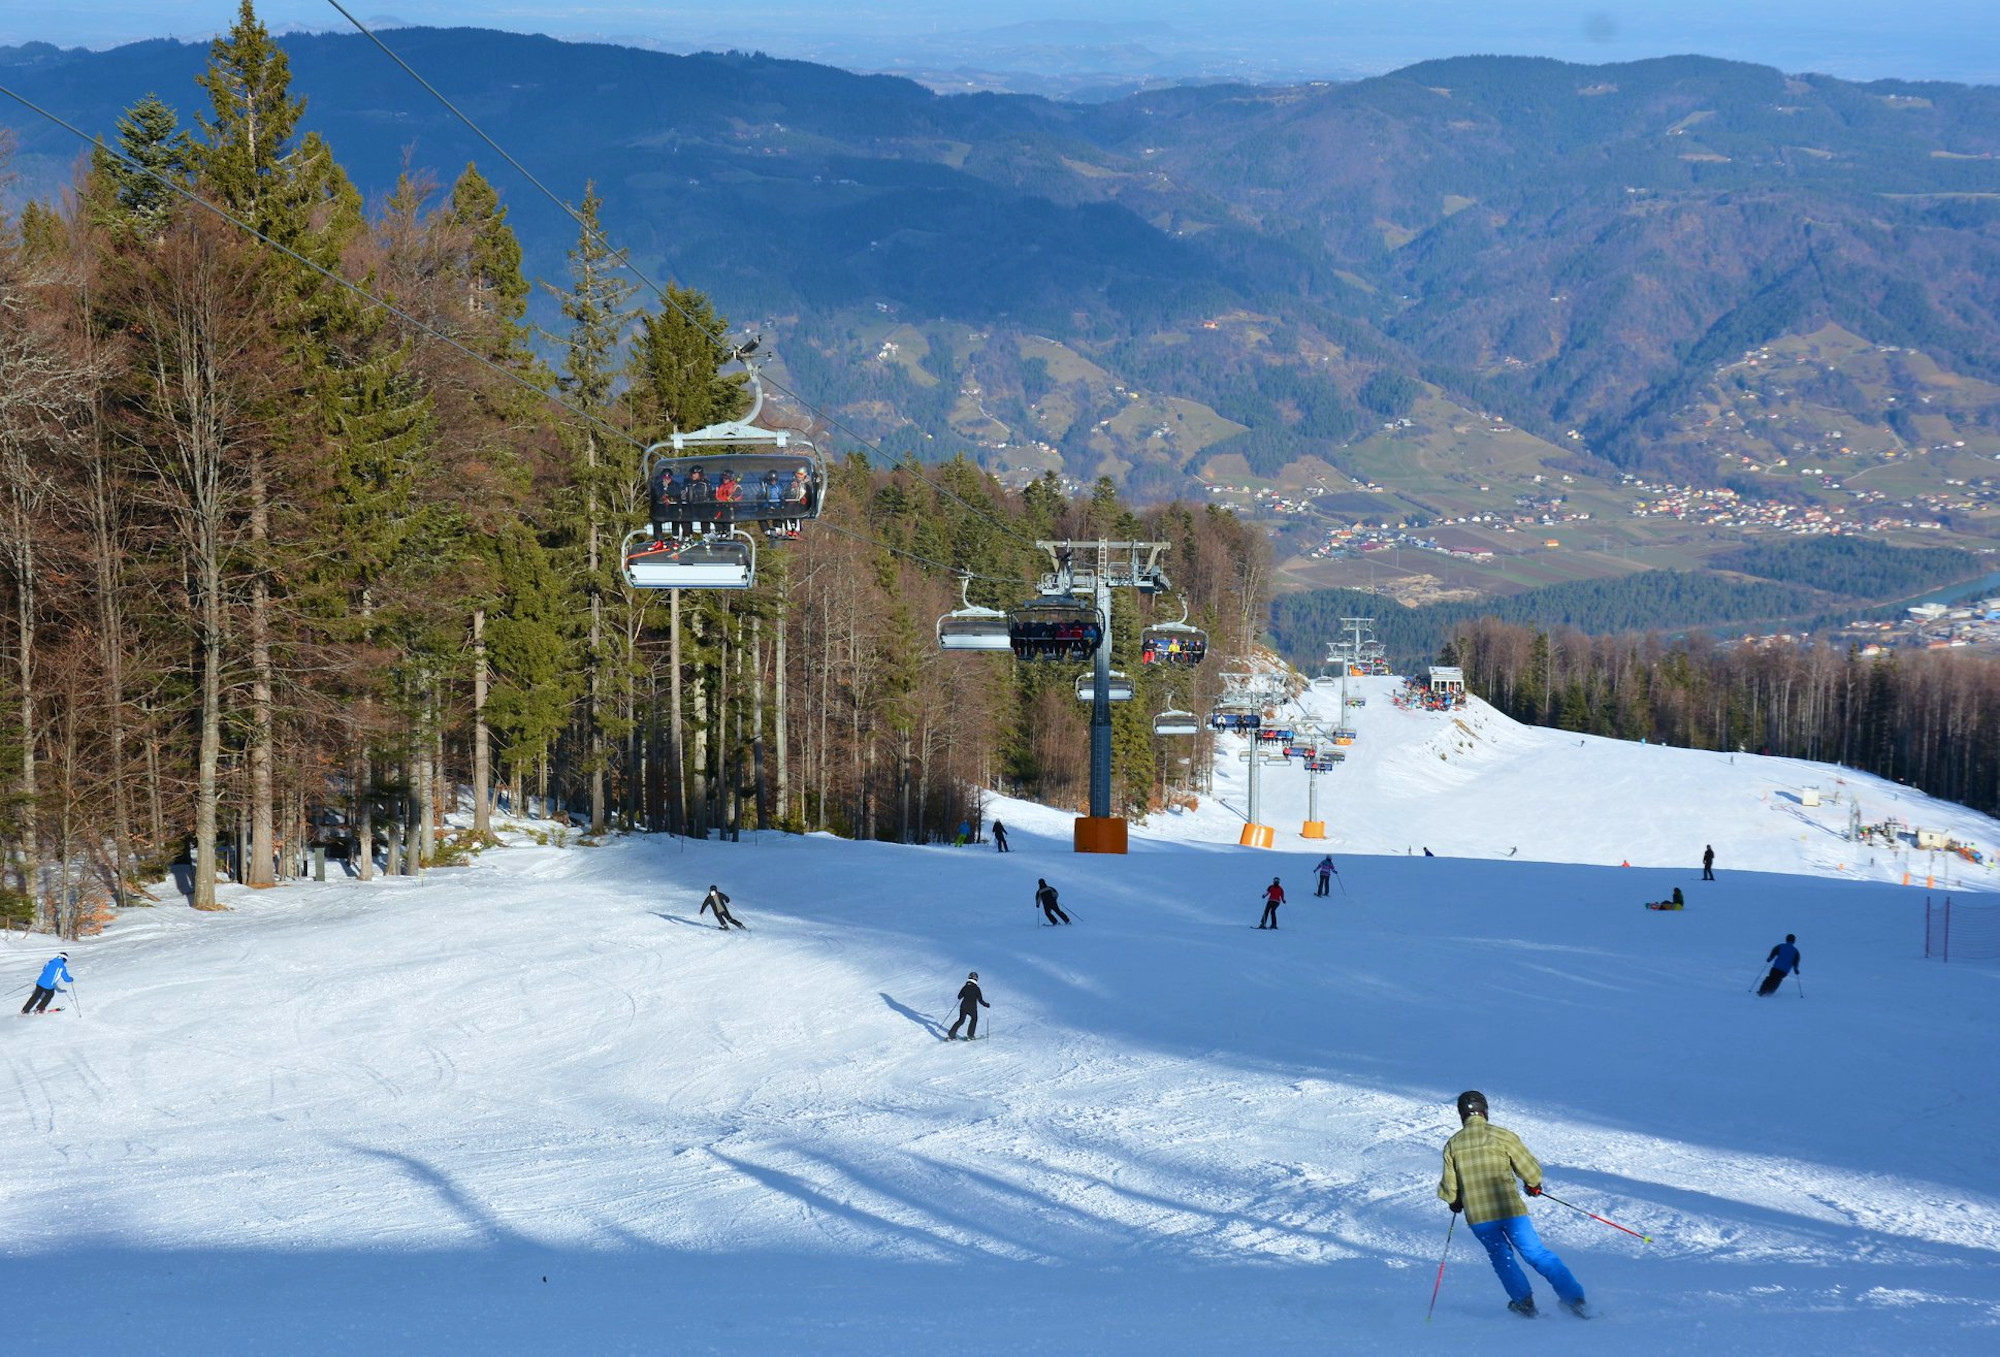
pixel 539 1105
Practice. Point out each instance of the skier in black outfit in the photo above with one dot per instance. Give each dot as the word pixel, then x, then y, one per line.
pixel 1046 898
pixel 719 903
pixel 999 837
pixel 1784 960
pixel 1708 862
pixel 970 1001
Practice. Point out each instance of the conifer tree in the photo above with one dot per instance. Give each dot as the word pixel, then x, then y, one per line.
pixel 494 283
pixel 597 309
pixel 153 155
pixel 297 195
pixel 245 141
pixel 531 641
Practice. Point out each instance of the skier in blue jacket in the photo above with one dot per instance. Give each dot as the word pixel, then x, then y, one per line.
pixel 1784 960
pixel 46 988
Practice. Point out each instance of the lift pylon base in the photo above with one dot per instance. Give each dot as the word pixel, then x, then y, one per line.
pixel 1100 834
pixel 1258 836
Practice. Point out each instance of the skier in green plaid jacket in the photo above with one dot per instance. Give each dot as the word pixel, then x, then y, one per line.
pixel 1481 1164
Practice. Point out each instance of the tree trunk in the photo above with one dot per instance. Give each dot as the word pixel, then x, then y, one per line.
pixel 482 754
pixel 259 873
pixel 594 717
pixel 757 715
pixel 208 762
pixel 699 798
pixel 676 769
pixel 107 554
pixel 778 718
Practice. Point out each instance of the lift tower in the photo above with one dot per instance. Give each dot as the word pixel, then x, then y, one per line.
pixel 1252 692
pixel 1092 569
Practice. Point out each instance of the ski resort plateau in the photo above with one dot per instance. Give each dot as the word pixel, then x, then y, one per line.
pixel 541 1104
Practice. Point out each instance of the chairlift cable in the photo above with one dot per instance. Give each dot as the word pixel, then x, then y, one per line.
pixel 922 559
pixel 323 272
pixel 623 258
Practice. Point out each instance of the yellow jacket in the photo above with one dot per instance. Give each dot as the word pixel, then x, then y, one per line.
pixel 1481 1163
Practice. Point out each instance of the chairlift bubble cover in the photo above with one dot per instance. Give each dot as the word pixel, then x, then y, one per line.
pixel 1054 627
pixel 674 493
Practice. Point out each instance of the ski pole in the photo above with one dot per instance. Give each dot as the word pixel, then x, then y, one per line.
pixel 75 1002
pixel 1594 1216
pixel 1801 984
pixel 1439 1283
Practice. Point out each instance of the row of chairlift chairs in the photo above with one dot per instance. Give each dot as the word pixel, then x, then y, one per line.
pixel 1056 627
pixel 1246 721
pixel 705 487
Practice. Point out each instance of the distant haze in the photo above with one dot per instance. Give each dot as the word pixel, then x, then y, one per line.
pixel 1105 44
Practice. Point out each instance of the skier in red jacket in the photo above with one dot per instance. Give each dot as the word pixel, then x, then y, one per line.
pixel 1274 895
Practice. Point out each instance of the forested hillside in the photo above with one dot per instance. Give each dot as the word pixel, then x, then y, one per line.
pixel 1930 719
pixel 1801 583
pixel 284 567
pixel 1225 269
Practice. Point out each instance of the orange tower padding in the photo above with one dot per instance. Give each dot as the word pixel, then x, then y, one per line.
pixel 1314 829
pixel 1258 836
pixel 1100 834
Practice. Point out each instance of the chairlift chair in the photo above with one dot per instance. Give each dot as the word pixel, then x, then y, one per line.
pixel 1119 685
pixel 710 562
pixel 973 627
pixel 1054 627
pixel 1172 642
pixel 1234 720
pixel 1175 722
pixel 705 486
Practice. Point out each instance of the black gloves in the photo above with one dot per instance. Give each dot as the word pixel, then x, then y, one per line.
pixel 1456 1207
pixel 1535 1191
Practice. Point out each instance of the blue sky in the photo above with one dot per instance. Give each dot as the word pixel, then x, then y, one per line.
pixel 1268 39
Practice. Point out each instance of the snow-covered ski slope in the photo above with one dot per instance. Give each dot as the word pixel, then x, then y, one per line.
pixel 535 1106
pixel 1476 784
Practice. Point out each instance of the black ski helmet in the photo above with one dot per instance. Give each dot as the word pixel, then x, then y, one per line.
pixel 1789 937
pixel 973 976
pixel 1470 1103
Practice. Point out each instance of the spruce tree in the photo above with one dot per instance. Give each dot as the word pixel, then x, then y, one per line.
pixel 153 155
pixel 241 156
pixel 494 283
pixel 596 307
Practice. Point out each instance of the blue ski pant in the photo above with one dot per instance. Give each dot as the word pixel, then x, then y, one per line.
pixel 1516 1234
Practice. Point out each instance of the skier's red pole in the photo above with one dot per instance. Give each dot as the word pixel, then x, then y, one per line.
pixel 1594 1216
pixel 1439 1283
